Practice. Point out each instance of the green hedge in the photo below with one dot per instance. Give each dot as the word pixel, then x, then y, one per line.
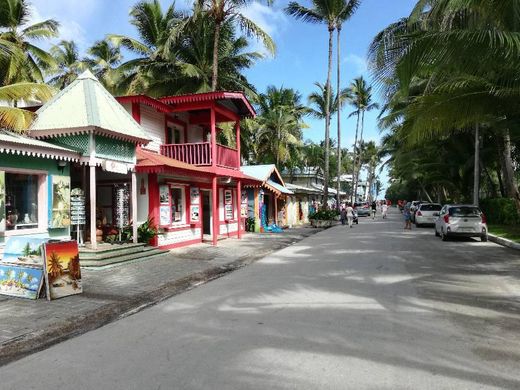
pixel 324 215
pixel 500 211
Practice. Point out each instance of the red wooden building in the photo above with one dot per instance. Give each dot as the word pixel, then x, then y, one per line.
pixel 186 181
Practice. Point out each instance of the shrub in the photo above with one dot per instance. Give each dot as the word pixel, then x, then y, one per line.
pixel 146 231
pixel 500 211
pixel 324 215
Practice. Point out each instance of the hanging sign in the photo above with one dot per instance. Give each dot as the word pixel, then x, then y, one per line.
pixel 115 167
pixel 195 214
pixel 77 206
pixel 122 205
pixel 228 197
pixel 164 191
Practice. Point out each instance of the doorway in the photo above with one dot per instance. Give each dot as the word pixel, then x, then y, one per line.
pixel 206 212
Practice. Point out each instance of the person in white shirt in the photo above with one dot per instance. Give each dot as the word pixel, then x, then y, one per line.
pixel 384 209
pixel 350 214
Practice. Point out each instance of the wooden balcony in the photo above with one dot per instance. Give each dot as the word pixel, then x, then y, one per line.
pixel 199 154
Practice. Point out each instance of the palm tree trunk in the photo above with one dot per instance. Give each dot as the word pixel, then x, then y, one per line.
pixel 511 187
pixel 327 124
pixel 338 94
pixel 214 78
pixel 354 190
pixel 358 170
pixel 476 169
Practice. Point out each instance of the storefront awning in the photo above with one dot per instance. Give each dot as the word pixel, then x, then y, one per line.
pixel 25 146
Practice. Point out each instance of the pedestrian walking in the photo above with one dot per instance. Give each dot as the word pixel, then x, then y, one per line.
pixel 407 213
pixel 350 214
pixel 343 215
pixel 384 209
pixel 374 209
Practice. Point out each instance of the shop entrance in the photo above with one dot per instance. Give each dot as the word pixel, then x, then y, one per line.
pixel 206 212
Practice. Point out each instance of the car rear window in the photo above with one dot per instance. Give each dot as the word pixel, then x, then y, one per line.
pixel 464 211
pixel 431 207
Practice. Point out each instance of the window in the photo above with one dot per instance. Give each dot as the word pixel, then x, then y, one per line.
pixel 173 135
pixel 21 201
pixel 464 211
pixel 177 204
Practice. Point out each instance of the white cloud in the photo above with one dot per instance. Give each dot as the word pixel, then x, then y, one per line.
pixel 360 63
pixel 269 19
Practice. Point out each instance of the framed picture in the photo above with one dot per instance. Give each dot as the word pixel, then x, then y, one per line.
pixel 60 213
pixel 195 213
pixel 195 195
pixel 21 281
pixel 164 215
pixel 228 197
pixel 62 271
pixel 164 194
pixel 2 203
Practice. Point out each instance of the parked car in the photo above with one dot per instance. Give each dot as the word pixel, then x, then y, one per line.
pixel 426 214
pixel 363 209
pixel 461 220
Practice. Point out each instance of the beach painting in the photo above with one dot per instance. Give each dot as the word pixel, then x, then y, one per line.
pixel 62 270
pixel 20 281
pixel 24 251
pixel 60 213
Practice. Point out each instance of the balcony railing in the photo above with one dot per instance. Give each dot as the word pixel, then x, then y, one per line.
pixel 200 154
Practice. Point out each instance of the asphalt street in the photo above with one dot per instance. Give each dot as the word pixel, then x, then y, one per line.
pixel 372 307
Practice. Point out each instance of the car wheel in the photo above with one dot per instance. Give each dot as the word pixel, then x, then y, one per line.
pixel 484 238
pixel 444 237
pixel 418 225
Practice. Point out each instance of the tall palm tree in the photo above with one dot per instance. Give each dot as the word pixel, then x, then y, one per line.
pixel 16 33
pixel 322 12
pixel 222 11
pixel 103 58
pixel 362 102
pixel 349 8
pixel 68 64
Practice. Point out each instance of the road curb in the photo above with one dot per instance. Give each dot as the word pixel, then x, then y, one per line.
pixel 504 242
pixel 33 342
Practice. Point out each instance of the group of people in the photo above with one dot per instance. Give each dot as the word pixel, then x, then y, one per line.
pixel 348 212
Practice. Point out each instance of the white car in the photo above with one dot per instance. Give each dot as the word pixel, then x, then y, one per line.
pixel 462 221
pixel 427 214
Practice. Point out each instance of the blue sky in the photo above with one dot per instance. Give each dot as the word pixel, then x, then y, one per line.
pixel 301 57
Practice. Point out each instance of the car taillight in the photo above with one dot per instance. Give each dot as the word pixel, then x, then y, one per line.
pixel 447 218
pixel 419 214
pixel 483 217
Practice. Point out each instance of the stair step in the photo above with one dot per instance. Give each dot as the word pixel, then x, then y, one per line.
pixel 116 252
pixel 121 260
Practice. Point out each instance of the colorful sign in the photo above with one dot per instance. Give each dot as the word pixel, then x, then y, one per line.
pixel 164 215
pixel 20 281
pixel 115 167
pixel 60 213
pixel 62 269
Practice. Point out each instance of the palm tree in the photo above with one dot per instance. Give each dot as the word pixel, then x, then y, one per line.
pixel 158 33
pixel 222 11
pixel 54 268
pixel 322 12
pixel 437 43
pixel 17 36
pixel 17 119
pixel 280 124
pixel 362 101
pixel 103 58
pixel 68 64
pixel 350 7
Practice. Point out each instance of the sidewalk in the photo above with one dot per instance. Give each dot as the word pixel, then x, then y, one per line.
pixel 109 294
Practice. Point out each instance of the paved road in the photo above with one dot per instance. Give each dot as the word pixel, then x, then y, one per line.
pixel 371 307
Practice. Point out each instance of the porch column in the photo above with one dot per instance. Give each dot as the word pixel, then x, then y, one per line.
pixel 275 209
pixel 153 202
pixel 215 210
pixel 93 241
pixel 237 131
pixel 134 207
pixel 213 122
pixel 239 208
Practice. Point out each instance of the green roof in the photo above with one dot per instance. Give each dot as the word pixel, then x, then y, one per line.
pixel 85 106
pixel 20 144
